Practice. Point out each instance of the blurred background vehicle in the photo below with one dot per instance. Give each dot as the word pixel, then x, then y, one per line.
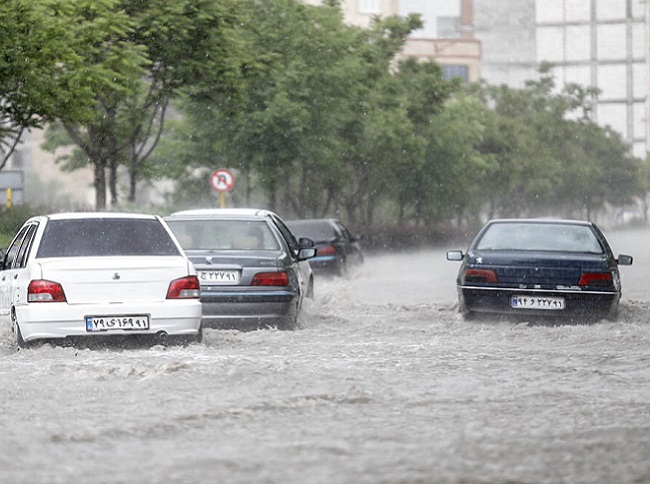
pixel 253 272
pixel 98 274
pixel 337 250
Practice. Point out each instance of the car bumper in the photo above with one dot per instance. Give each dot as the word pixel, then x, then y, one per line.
pixel 247 310
pixel 498 300
pixel 326 264
pixel 180 317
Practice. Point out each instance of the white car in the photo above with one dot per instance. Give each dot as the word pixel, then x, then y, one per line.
pixel 96 274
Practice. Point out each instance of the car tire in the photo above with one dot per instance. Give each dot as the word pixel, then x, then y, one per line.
pixel 612 314
pixel 343 269
pixel 199 336
pixel 20 342
pixel 291 323
pixel 468 315
pixel 464 312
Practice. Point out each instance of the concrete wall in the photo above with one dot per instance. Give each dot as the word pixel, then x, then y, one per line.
pixel 506 30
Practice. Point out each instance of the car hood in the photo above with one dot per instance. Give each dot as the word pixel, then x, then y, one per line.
pixel 114 279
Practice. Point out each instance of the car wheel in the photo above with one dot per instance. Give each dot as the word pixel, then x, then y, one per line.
pixel 187 340
pixel 612 313
pixel 464 312
pixel 20 342
pixel 310 289
pixel 291 323
pixel 343 268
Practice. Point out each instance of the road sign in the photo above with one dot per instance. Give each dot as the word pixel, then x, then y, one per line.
pixel 222 180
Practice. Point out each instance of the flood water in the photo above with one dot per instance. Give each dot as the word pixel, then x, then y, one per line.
pixel 384 382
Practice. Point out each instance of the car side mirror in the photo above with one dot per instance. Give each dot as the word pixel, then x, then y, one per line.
pixel 624 260
pixel 304 254
pixel 455 255
pixel 305 243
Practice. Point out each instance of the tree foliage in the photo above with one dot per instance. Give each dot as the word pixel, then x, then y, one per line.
pixel 549 157
pixel 48 69
pixel 166 46
pixel 316 117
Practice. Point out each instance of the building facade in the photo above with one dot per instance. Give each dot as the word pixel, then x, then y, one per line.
pixel 447 35
pixel 602 44
pixel 595 43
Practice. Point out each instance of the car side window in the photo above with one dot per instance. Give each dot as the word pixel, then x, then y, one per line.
pixel 342 231
pixel 25 247
pixel 286 233
pixel 14 247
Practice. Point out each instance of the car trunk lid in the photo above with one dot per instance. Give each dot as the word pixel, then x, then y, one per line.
pixel 228 268
pixel 544 269
pixel 114 279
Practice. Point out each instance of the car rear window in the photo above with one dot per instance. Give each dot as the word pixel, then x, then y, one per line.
pixel 90 237
pixel 540 237
pixel 224 234
pixel 313 230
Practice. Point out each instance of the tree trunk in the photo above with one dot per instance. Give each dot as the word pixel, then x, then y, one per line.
pixel 133 183
pixel 100 185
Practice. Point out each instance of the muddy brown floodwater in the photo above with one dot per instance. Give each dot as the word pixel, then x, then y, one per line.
pixel 384 383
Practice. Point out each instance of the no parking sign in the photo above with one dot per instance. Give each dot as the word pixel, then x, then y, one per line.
pixel 222 180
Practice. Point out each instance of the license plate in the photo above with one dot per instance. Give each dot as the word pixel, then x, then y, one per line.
pixel 117 323
pixel 537 302
pixel 219 277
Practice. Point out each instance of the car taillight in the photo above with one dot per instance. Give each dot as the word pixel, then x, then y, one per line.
pixel 329 250
pixel 271 279
pixel 595 279
pixel 184 288
pixel 45 291
pixel 480 275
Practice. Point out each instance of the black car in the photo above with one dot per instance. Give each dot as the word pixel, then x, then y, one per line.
pixel 336 249
pixel 539 266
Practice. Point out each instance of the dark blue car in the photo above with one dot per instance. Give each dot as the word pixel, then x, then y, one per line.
pixel 541 267
pixel 337 250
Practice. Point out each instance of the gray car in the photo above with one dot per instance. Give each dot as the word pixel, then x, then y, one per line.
pixel 252 271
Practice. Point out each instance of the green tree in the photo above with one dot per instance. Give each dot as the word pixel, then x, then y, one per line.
pixel 548 156
pixel 45 68
pixel 315 129
pixel 169 46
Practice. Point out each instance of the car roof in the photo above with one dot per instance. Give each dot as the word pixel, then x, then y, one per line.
pixel 312 221
pixel 90 215
pixel 223 212
pixel 541 221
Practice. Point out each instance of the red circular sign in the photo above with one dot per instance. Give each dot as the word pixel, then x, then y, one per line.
pixel 222 180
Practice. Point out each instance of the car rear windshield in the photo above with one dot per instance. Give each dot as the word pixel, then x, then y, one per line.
pixel 224 234
pixel 90 237
pixel 540 237
pixel 316 231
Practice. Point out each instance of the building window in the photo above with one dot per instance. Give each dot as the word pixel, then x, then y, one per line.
pixel 450 72
pixel 369 6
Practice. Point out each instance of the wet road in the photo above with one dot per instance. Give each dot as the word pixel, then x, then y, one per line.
pixel 383 383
